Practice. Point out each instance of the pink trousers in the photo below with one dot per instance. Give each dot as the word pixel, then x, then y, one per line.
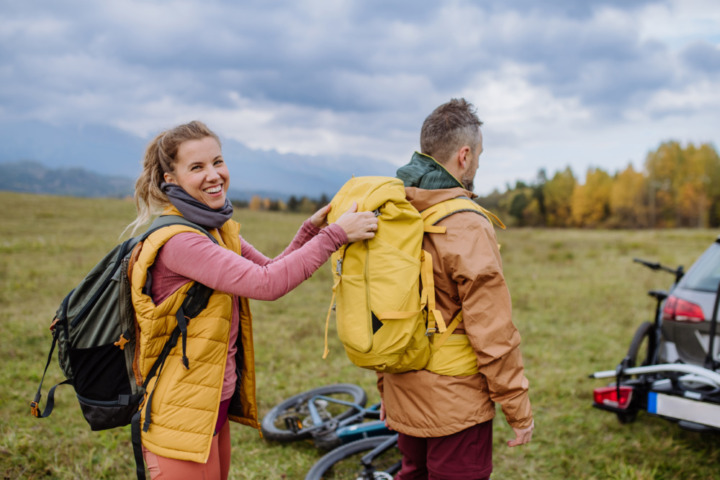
pixel 216 468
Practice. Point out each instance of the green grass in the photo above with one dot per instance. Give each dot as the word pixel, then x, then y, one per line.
pixel 577 300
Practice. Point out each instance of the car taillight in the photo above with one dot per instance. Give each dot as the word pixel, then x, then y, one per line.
pixel 680 310
pixel 609 396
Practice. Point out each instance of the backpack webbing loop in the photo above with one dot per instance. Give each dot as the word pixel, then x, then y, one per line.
pixel 137 445
pixel 427 295
pixel 50 403
pixel 338 269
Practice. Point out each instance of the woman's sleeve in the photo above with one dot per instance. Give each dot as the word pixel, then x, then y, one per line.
pixel 304 234
pixel 198 258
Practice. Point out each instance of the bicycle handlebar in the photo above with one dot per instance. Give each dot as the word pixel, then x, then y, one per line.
pixel 678 272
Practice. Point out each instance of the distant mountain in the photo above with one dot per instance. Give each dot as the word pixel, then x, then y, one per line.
pixel 96 160
pixel 33 177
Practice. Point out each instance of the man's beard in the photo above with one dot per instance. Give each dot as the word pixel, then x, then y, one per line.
pixel 469 183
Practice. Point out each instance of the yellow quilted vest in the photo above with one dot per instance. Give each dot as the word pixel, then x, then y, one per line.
pixel 383 290
pixel 185 401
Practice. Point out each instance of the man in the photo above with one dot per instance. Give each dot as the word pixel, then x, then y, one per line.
pixel 445 422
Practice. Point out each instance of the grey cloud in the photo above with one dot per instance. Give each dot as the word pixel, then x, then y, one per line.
pixel 702 57
pixel 352 57
pixel 572 9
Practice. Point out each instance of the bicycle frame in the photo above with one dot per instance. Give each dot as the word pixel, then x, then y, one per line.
pixel 350 428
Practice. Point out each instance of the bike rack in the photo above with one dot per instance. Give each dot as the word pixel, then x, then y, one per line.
pixel 665 367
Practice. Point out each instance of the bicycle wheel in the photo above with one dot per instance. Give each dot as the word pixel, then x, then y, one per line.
pixel 640 353
pixel 344 462
pixel 642 346
pixel 290 420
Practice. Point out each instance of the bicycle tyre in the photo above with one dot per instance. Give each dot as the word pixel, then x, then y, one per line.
pixel 334 457
pixel 296 405
pixel 642 340
pixel 643 332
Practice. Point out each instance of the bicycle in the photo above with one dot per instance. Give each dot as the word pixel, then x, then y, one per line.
pixel 335 418
pixel 645 344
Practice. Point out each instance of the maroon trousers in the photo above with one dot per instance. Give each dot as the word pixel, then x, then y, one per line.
pixel 465 455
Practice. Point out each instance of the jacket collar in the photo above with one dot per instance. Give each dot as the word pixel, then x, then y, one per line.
pixel 423 171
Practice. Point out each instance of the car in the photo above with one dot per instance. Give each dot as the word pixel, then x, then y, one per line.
pixel 688 310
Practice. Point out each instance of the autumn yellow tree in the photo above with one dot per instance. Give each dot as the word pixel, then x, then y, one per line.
pixel 684 185
pixel 557 194
pixel 699 187
pixel 255 203
pixel 665 168
pixel 711 160
pixel 628 200
pixel 590 203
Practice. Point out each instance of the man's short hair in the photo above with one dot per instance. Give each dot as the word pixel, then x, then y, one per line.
pixel 449 127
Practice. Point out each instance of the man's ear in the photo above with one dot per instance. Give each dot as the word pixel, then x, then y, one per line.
pixel 463 157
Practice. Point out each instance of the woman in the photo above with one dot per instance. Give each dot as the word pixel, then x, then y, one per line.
pixel 184 174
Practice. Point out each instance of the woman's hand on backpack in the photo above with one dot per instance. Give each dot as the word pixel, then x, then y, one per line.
pixel 319 218
pixel 358 225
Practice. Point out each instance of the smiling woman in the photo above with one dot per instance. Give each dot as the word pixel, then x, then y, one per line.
pixel 209 377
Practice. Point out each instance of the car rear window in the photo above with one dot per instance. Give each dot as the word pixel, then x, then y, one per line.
pixel 705 272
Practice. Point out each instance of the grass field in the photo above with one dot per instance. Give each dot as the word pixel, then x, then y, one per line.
pixel 577 300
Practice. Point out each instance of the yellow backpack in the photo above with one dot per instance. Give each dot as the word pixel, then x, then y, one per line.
pixel 383 289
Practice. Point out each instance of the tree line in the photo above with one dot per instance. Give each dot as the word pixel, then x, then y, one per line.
pixel 677 187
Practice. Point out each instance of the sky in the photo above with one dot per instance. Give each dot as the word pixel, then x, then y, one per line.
pixel 557 83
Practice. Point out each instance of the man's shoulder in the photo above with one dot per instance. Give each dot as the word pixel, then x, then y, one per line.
pixel 422 199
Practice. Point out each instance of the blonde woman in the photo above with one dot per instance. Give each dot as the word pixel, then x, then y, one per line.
pixel 184 173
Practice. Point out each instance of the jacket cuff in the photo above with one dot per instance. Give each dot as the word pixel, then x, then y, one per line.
pixel 336 234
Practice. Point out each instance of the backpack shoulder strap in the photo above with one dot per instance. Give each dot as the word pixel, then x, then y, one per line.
pixel 431 217
pixel 169 220
pixel 197 297
pixel 434 214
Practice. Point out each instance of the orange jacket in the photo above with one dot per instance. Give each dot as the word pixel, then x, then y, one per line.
pixel 468 276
